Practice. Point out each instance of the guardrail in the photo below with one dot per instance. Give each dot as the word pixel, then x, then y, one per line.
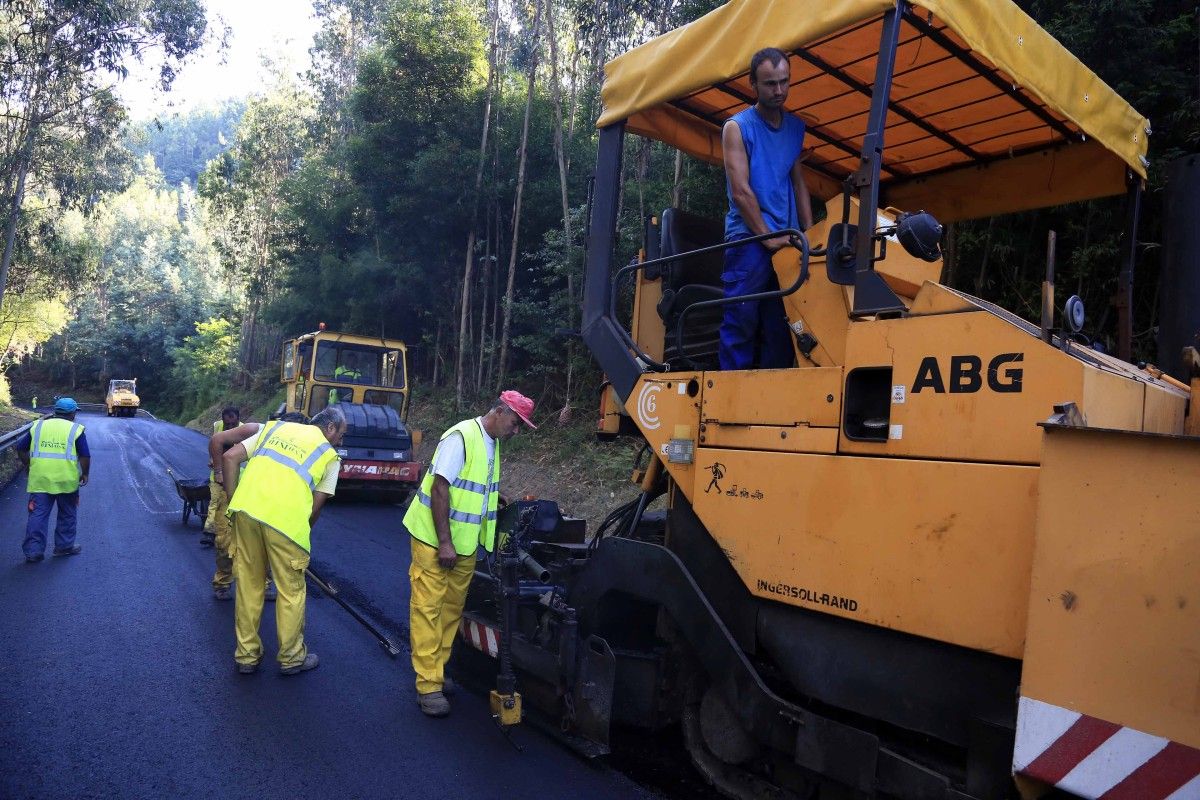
pixel 9 439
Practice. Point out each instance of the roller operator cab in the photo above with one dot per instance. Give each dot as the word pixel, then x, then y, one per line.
pixel 122 399
pixel 948 554
pixel 367 378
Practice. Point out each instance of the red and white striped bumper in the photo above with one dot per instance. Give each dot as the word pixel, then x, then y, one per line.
pixel 480 636
pixel 1095 759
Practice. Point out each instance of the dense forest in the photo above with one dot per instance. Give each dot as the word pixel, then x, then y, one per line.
pixel 424 178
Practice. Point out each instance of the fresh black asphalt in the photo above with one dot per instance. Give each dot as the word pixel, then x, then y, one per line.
pixel 117 677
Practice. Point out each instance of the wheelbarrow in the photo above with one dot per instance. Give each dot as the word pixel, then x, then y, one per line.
pixel 194 494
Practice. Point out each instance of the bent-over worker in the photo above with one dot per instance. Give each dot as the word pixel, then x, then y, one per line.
pixel 452 515
pixel 227 432
pixel 55 451
pixel 291 471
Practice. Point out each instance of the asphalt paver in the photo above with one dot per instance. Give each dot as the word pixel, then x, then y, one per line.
pixel 117 677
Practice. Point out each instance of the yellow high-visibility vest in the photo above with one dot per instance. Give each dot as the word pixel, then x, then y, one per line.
pixel 277 485
pixel 469 528
pixel 53 461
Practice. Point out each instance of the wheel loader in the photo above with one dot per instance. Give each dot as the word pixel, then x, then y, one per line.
pixel 951 553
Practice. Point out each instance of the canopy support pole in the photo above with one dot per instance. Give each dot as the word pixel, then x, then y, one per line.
pixel 872 295
pixel 599 329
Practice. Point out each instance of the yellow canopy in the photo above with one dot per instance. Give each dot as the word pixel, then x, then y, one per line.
pixel 988 113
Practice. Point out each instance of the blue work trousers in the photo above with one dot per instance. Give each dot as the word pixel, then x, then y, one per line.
pixel 38 526
pixel 754 333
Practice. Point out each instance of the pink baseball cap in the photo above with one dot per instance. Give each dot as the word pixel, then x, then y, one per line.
pixel 521 405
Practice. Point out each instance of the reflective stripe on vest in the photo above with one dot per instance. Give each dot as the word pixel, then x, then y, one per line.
pixel 277 486
pixel 53 465
pixel 470 493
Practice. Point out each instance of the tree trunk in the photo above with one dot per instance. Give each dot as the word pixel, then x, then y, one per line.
pixel 516 226
pixel 10 233
pixel 568 240
pixel 950 255
pixel 469 262
pixel 981 278
pixel 677 186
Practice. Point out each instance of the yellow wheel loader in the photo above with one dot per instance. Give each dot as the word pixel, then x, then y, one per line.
pixel 950 553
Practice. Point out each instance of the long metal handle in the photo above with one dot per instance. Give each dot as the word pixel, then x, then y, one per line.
pixel 330 591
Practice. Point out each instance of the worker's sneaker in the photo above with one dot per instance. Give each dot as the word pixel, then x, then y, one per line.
pixel 269 592
pixel 33 559
pixel 310 662
pixel 73 550
pixel 223 593
pixel 247 669
pixel 433 704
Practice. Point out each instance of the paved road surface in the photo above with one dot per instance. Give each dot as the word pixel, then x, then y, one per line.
pixel 117 677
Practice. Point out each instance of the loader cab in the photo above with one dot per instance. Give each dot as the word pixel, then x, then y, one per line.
pixel 327 367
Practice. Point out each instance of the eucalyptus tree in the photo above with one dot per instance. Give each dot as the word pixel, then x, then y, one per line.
pixel 59 60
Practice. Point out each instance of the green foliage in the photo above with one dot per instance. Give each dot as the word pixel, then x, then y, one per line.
pixel 26 322
pixel 151 271
pixel 1148 52
pixel 58 116
pixel 205 362
pixel 183 144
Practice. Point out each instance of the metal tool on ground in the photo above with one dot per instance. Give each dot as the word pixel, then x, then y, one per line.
pixel 505 699
pixel 331 591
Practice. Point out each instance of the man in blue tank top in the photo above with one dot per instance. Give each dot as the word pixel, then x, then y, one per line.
pixel 766 189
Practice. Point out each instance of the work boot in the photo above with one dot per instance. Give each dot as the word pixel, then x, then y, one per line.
pixel 247 669
pixel 73 550
pixel 33 559
pixel 269 592
pixel 223 593
pixel 310 662
pixel 433 704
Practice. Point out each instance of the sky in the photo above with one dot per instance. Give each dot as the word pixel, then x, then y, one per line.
pixel 277 29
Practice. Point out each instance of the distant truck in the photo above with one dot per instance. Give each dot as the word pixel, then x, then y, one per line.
pixel 122 399
pixel 367 378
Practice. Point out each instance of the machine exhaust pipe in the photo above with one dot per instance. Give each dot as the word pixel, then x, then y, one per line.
pixel 532 567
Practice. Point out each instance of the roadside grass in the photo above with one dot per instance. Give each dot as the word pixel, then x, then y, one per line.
pixel 11 418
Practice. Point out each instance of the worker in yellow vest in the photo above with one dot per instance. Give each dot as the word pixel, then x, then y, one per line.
pixel 291 470
pixel 345 373
pixel 55 451
pixel 230 418
pixel 452 515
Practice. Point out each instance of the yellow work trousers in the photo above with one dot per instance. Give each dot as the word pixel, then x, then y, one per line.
pixel 256 545
pixel 435 608
pixel 223 531
pixel 210 522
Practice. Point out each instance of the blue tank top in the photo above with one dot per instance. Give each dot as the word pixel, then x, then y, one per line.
pixel 771 153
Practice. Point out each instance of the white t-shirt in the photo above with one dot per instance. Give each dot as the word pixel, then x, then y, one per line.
pixel 328 482
pixel 451 455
